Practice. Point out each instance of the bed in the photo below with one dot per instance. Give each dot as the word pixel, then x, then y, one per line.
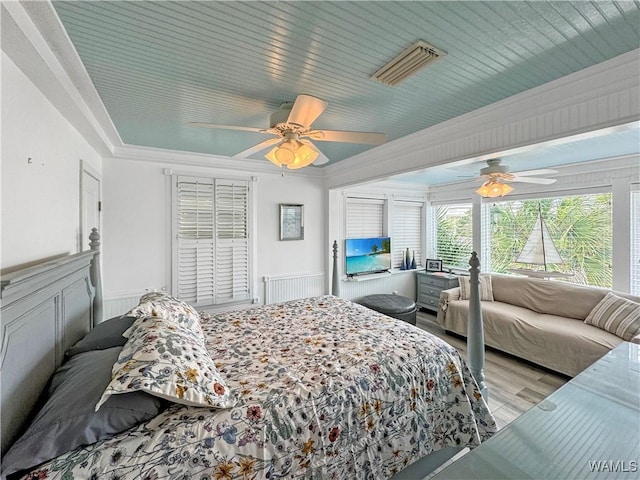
pixel 312 388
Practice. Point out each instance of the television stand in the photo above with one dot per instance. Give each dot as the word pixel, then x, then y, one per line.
pixel 369 276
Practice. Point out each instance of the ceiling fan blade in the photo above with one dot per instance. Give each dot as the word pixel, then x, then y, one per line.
pixel 257 148
pixel 322 158
pixel 541 171
pixel 305 110
pixel 227 127
pixel 541 181
pixel 369 138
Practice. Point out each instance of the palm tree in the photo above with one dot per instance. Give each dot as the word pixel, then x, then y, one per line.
pixel 579 225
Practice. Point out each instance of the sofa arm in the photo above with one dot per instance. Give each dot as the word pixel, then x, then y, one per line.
pixel 446 296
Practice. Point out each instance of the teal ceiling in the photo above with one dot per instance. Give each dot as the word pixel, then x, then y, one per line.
pixel 158 65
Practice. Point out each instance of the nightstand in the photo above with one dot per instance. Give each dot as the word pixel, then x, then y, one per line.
pixel 429 285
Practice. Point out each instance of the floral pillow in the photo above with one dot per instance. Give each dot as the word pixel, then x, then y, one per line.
pixel 171 362
pixel 159 304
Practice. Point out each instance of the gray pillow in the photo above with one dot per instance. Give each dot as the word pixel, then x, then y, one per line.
pixel 104 335
pixel 68 418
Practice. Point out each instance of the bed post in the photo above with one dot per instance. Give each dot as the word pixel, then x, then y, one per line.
pixel 96 276
pixel 475 333
pixel 335 281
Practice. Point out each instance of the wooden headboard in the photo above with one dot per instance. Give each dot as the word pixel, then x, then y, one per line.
pixel 46 308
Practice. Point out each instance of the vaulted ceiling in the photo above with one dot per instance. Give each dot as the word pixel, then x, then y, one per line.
pixel 159 65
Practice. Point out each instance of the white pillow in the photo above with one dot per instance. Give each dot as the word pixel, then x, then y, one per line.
pixel 486 289
pixel 616 315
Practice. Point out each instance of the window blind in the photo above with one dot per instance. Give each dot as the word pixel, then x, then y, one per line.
pixel 635 242
pixel 232 246
pixel 454 231
pixel 408 221
pixel 212 240
pixel 365 217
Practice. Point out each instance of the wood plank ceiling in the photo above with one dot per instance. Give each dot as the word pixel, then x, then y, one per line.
pixel 158 65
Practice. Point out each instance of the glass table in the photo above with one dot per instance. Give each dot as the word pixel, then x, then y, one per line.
pixel 587 429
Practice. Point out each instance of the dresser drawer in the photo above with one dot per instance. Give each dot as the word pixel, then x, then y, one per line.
pixel 432 281
pixel 428 301
pixel 430 290
pixel 430 286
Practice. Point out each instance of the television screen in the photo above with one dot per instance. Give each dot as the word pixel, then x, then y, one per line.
pixel 368 255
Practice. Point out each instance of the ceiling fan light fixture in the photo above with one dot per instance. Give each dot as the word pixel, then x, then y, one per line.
pixel 493 189
pixel 292 153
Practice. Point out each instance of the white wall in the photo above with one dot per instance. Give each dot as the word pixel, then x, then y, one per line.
pixel 137 225
pixel 41 199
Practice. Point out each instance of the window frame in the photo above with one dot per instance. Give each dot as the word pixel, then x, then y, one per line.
pixel 250 236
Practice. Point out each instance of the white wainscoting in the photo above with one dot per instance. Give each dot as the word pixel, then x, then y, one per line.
pixel 115 305
pixel 280 288
pixel 402 283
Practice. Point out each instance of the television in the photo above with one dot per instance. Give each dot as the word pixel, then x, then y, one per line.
pixel 367 255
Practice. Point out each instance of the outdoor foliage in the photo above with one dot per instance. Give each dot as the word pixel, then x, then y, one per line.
pixel 580 227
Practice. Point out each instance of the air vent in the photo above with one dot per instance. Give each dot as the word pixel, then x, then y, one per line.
pixel 414 58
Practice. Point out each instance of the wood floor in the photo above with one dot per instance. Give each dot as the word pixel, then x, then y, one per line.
pixel 514 385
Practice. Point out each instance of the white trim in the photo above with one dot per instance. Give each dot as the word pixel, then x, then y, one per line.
pixel 179 157
pixel 621 234
pixel 61 75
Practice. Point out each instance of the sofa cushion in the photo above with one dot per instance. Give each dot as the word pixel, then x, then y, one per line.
pixel 547 296
pixel 486 292
pixel 616 315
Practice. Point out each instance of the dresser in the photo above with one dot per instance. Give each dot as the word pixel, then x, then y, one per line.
pixel 430 285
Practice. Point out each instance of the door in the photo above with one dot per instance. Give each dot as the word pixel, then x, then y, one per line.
pixel 90 204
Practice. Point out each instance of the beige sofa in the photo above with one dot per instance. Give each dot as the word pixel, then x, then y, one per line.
pixel 538 320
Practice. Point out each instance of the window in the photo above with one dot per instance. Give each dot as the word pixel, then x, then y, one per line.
pixel 578 225
pixel 365 217
pixel 407 231
pixel 454 234
pixel 635 242
pixel 211 255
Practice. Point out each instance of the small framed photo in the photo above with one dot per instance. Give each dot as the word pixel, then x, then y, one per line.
pixel 291 221
pixel 434 265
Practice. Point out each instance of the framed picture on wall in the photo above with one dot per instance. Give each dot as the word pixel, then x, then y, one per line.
pixel 291 221
pixel 433 265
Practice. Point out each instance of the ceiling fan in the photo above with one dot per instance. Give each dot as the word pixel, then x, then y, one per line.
pixel 291 126
pixel 496 176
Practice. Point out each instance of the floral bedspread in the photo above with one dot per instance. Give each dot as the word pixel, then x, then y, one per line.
pixel 326 389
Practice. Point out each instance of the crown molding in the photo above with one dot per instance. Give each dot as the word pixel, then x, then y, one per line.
pixel 177 157
pixel 35 40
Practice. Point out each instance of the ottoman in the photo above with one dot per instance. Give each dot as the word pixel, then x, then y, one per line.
pixel 395 306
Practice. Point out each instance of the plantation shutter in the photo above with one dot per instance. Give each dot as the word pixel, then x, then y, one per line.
pixel 635 242
pixel 232 241
pixel 212 240
pixel 196 259
pixel 407 231
pixel 365 217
